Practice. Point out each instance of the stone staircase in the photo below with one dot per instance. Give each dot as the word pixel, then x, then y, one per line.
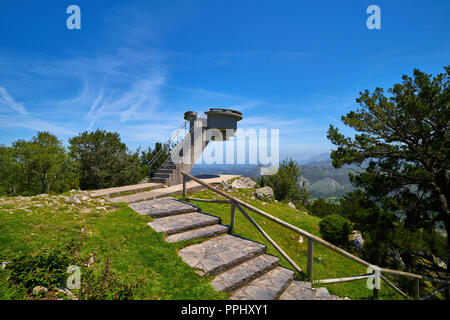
pixel 239 266
pixel 165 173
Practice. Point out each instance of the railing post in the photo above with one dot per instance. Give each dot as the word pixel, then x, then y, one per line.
pixel 376 281
pixel 233 209
pixel 417 289
pixel 309 269
pixel 184 186
pixel 376 293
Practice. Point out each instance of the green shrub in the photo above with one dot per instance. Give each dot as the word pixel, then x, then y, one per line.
pixel 48 269
pixel 335 229
pixel 108 285
pixel 285 183
pixel 322 208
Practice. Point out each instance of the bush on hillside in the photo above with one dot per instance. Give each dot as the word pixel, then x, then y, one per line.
pixel 322 208
pixel 48 269
pixel 285 183
pixel 335 229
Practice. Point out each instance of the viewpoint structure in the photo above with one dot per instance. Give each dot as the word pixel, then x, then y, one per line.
pixel 195 141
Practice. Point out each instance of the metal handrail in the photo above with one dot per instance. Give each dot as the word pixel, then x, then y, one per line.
pixel 180 144
pixel 172 137
pixel 235 202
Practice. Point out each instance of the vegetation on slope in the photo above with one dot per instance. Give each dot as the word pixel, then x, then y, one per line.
pixel 119 255
pixel 327 264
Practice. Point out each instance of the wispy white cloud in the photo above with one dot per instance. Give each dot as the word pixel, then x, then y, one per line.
pixel 6 99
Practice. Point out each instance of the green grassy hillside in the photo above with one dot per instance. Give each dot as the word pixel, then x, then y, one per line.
pixel 122 258
pixel 119 255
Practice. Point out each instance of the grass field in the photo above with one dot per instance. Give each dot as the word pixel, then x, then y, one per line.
pixel 128 259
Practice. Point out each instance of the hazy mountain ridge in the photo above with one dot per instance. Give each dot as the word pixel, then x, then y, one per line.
pixel 324 180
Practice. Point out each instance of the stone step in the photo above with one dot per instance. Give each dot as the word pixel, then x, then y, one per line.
pixel 298 290
pixel 301 290
pixel 168 191
pixel 163 207
pixel 162 170
pixel 183 222
pixel 161 175
pixel 219 254
pixel 269 286
pixel 159 180
pixel 205 232
pixel 119 190
pixel 244 273
pixel 170 166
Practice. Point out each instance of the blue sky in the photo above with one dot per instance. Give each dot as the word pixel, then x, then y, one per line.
pixel 136 66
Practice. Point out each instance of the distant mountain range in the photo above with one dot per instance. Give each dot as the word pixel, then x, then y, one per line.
pixel 325 156
pixel 324 181
pixel 318 175
pixel 247 170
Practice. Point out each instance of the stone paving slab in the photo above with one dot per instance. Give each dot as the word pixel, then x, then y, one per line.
pixel 118 190
pixel 221 253
pixel 191 186
pixel 298 290
pixel 205 232
pixel 269 286
pixel 163 207
pixel 183 222
pixel 302 290
pixel 323 294
pixel 244 273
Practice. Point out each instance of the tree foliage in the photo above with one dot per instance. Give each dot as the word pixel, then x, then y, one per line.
pixel 322 208
pixel 103 161
pixel 285 182
pixel 404 139
pixel 161 151
pixel 10 170
pixel 335 229
pixel 40 165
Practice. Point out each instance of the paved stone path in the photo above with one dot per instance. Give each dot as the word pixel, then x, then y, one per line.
pixel 240 266
pixel 119 190
pixel 191 186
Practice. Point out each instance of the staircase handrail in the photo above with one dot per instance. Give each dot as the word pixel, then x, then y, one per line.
pixel 172 137
pixel 180 144
pixel 237 203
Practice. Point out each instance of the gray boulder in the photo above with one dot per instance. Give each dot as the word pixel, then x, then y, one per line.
pixel 357 240
pixel 226 186
pixel 145 180
pixel 290 204
pixel 395 258
pixel 264 193
pixel 243 183
pixel 39 290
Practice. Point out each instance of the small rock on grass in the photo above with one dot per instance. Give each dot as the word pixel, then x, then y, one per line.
pixel 68 293
pixel 39 290
pixel 243 183
pixel 264 193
